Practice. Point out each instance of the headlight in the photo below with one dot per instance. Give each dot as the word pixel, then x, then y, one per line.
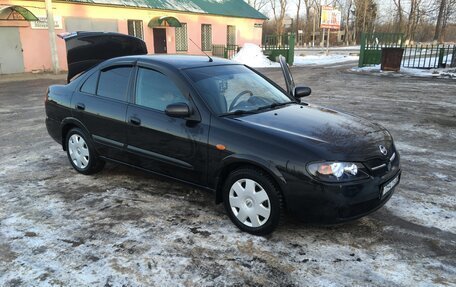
pixel 337 171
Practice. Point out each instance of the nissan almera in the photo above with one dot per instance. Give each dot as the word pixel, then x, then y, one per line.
pixel 220 126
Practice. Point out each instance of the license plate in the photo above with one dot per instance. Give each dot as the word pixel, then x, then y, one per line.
pixel 389 186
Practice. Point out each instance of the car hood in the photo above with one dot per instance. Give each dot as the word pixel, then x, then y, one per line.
pixel 332 134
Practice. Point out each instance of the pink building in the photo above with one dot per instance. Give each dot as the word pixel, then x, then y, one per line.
pixel 167 26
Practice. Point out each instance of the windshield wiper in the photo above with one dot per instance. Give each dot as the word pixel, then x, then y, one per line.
pixel 238 112
pixel 274 105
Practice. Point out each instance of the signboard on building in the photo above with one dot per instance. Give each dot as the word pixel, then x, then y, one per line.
pixel 42 24
pixel 258 25
pixel 330 18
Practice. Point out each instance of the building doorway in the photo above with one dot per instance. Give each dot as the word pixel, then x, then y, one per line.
pixel 159 41
pixel 11 57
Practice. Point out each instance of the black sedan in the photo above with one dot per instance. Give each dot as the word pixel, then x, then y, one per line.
pixel 221 126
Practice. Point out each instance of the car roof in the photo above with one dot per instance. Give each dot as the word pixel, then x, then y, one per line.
pixel 179 61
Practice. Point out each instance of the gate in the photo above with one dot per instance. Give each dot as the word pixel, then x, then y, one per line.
pixel 373 43
pixel 275 45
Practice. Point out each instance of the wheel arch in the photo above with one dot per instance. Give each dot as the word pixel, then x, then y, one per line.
pixel 69 123
pixel 232 163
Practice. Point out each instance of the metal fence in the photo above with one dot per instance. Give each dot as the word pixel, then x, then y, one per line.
pixel 429 56
pixel 225 51
pixel 415 56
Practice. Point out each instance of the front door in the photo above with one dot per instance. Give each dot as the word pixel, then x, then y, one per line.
pixel 159 41
pixel 171 146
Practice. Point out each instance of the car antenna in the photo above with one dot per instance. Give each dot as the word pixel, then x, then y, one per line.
pixel 210 59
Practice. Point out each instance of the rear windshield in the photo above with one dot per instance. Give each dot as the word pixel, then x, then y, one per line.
pixel 234 88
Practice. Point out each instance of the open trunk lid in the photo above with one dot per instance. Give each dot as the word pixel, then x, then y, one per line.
pixel 87 49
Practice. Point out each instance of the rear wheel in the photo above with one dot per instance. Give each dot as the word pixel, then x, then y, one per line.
pixel 252 201
pixel 81 153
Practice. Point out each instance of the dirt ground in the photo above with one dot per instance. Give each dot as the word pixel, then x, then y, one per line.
pixel 123 227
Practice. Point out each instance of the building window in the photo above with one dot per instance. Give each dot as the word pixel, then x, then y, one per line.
pixel 231 35
pixel 181 38
pixel 135 28
pixel 206 37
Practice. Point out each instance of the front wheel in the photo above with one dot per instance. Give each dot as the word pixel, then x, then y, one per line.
pixel 81 153
pixel 252 201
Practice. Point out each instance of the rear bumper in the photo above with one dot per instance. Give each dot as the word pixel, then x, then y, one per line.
pixel 328 203
pixel 54 129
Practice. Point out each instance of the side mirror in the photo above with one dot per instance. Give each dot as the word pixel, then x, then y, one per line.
pixel 301 92
pixel 178 110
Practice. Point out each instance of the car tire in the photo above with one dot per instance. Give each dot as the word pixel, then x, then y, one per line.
pixel 81 153
pixel 253 201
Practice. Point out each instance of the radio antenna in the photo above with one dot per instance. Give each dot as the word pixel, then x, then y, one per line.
pixel 210 59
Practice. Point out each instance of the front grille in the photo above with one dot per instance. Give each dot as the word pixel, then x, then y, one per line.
pixel 379 166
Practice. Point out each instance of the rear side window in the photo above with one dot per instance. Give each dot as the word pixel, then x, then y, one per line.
pixel 90 85
pixel 157 91
pixel 113 83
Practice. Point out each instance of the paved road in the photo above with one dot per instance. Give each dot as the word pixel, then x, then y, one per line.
pixel 123 227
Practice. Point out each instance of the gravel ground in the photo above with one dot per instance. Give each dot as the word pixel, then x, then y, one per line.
pixel 123 227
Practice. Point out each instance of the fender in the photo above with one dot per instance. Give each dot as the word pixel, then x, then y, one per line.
pixel 236 159
pixel 71 121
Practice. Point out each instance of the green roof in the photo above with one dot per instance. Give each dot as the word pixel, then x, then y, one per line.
pixel 233 8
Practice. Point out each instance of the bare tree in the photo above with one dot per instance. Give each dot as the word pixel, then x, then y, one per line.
pixel 399 15
pixel 279 8
pixel 298 10
pixel 447 9
pixel 258 4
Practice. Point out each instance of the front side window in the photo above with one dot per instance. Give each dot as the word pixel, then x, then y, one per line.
pixel 206 37
pixel 232 88
pixel 135 28
pixel 155 90
pixel 113 83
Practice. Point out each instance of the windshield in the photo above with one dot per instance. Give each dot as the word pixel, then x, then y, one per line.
pixel 235 89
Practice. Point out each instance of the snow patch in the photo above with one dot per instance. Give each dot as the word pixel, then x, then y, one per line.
pixel 421 73
pixel 323 59
pixel 252 56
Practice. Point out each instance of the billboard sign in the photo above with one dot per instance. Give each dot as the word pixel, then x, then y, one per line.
pixel 330 18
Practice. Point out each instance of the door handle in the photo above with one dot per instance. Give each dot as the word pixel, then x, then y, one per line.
pixel 135 121
pixel 80 106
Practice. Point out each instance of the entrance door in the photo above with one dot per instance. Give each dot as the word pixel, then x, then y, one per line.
pixel 159 41
pixel 11 57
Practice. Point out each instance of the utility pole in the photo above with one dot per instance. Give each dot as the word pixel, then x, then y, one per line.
pixel 313 32
pixel 52 36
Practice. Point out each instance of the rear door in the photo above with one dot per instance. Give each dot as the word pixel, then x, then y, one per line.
pixel 101 105
pixel 175 147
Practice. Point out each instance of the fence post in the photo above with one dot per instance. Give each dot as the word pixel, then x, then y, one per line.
pixel 362 50
pixel 441 55
pixel 291 46
pixel 453 59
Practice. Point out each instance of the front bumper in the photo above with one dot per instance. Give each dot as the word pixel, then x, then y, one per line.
pixel 333 203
